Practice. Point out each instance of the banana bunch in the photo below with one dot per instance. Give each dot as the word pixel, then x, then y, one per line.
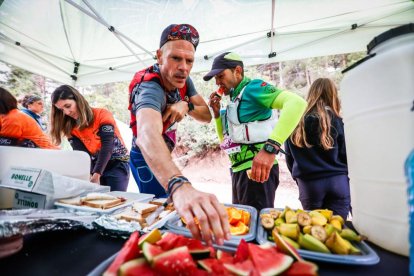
pixel 317 230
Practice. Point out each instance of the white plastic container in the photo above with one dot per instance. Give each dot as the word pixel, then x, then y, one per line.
pixel 377 97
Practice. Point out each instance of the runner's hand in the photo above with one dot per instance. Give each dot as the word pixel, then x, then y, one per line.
pixel 175 112
pixel 211 215
pixel 214 103
pixel 262 164
pixel 95 178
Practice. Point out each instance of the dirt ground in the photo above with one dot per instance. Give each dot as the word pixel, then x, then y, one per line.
pixel 211 174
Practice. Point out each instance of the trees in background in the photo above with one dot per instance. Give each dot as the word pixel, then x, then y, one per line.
pixel 194 138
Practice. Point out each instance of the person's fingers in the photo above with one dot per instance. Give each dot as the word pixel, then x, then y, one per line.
pixel 223 220
pixel 203 220
pixel 192 226
pixel 166 115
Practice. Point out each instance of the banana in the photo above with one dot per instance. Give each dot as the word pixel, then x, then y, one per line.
pixel 337 224
pixel 279 221
pixel 291 242
pixel 326 213
pixel 318 218
pixel 304 219
pixel 329 228
pixel 350 235
pixel 274 213
pixel 311 243
pixel 353 250
pixel 290 230
pixel 339 218
pixel 282 215
pixel 267 222
pixel 307 229
pixel 338 245
pixel 290 216
pixel 319 232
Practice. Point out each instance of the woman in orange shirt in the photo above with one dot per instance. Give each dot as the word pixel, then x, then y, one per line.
pixel 94 131
pixel 17 128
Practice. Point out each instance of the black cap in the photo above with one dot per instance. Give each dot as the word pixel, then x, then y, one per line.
pixel 180 32
pixel 227 60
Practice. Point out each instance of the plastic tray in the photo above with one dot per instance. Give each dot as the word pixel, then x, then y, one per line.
pixel 368 257
pixel 176 226
pixel 130 198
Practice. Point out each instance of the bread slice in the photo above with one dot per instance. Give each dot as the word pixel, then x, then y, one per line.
pixel 98 196
pixel 158 201
pixel 72 201
pixel 131 215
pixel 103 203
pixel 144 208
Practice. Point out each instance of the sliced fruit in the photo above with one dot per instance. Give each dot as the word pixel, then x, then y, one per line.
pixel 234 215
pixel 304 219
pixel 151 237
pixel 245 217
pixel 329 228
pixel 319 232
pixel 307 229
pixel 242 252
pixel 274 213
pixel 336 224
pixel 224 257
pixel 326 213
pixel 311 243
pixel 239 229
pixel 291 242
pixel 267 261
pixel 290 230
pixel 279 221
pixel 339 218
pixel 136 267
pixel 291 216
pixel 150 251
pixel 338 245
pixel 128 252
pixel 170 240
pixel 318 218
pixel 244 268
pixel 302 268
pixel 350 235
pixel 267 222
pixel 213 266
pixel 174 262
pixel 283 246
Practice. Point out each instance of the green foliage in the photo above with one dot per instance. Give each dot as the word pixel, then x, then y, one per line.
pixel 194 138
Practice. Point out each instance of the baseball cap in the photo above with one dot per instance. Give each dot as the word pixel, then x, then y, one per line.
pixel 180 31
pixel 227 60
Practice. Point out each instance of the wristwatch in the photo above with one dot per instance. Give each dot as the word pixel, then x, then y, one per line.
pixel 190 106
pixel 270 148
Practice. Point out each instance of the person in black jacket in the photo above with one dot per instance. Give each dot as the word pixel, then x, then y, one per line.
pixel 316 152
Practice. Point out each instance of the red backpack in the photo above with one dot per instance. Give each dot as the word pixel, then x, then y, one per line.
pixel 144 75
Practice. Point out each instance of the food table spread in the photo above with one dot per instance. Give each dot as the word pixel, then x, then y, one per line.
pixel 78 252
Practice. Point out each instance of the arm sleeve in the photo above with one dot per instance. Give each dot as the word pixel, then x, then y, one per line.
pixel 77 144
pixel 341 141
pixel 219 129
pixel 292 107
pixel 106 132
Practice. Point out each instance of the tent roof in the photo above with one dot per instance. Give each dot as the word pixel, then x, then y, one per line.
pixel 49 37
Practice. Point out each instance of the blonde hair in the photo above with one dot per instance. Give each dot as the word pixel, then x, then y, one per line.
pixel 62 125
pixel 322 96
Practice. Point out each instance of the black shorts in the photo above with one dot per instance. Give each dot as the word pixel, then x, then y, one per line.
pixel 255 194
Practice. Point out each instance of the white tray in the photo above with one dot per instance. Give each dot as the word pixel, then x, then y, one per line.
pixel 130 198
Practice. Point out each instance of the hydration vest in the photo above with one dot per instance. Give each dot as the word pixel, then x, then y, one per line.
pixel 148 74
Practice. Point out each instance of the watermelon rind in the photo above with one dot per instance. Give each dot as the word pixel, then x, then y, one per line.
pixel 135 266
pixel 150 251
pixel 267 261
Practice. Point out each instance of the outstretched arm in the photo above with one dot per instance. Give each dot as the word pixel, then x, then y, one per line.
pixel 188 201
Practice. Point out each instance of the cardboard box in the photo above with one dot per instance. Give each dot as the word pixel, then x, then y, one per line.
pixel 39 188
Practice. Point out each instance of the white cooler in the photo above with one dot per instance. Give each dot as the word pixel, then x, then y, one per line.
pixel 377 97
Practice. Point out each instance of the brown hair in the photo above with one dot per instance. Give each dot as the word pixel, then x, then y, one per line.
pixel 7 101
pixel 322 96
pixel 62 125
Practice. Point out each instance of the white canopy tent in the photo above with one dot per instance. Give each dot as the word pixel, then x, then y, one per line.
pixel 87 42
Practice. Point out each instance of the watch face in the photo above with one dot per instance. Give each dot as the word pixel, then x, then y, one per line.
pixel 269 148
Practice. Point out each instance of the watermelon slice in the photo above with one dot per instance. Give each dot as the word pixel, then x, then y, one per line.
pixel 150 251
pixel 302 268
pixel 213 266
pixel 136 267
pixel 242 252
pixel 244 268
pixel 267 261
pixel 170 240
pixel 224 257
pixel 198 251
pixel 174 262
pixel 285 247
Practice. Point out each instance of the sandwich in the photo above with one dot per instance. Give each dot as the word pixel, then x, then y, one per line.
pixel 144 208
pixel 72 201
pixel 158 201
pixel 101 200
pixel 130 215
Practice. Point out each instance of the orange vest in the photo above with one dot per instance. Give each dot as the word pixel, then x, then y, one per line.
pixel 19 125
pixel 90 135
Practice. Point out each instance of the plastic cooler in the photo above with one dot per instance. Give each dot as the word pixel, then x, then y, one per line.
pixel 176 226
pixel 377 94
